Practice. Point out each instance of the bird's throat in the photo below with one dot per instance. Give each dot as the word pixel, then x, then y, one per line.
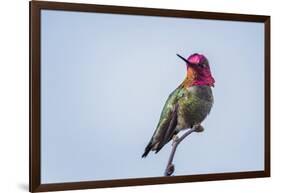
pixel 190 78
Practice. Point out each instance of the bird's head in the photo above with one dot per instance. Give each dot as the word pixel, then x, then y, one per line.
pixel 198 70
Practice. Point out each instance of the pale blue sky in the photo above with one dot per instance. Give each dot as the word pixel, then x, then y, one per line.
pixel 105 79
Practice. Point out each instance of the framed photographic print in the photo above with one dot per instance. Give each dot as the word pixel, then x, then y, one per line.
pixel 123 96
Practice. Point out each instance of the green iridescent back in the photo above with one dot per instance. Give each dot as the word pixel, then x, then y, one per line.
pixel 193 105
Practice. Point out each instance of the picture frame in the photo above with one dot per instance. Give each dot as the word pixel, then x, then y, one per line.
pixel 35 137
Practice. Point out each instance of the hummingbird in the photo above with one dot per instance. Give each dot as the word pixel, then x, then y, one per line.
pixel 187 106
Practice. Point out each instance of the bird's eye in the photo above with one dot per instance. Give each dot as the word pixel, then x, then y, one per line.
pixel 202 65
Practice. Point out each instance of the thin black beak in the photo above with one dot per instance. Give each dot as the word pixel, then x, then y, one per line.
pixel 183 59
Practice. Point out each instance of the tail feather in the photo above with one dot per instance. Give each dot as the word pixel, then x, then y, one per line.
pixel 147 149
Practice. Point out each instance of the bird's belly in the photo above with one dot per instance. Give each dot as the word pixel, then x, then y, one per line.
pixel 193 109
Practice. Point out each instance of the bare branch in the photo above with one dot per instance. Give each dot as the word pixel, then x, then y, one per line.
pixel 170 166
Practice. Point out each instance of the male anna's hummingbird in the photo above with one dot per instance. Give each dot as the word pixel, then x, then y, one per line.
pixel 187 106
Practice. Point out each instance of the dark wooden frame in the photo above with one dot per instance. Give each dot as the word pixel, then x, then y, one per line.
pixel 34 155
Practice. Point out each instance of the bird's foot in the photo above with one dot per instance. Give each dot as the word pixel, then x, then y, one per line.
pixel 170 170
pixel 198 128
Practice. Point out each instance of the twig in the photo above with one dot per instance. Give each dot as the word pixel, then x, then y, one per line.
pixel 170 166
